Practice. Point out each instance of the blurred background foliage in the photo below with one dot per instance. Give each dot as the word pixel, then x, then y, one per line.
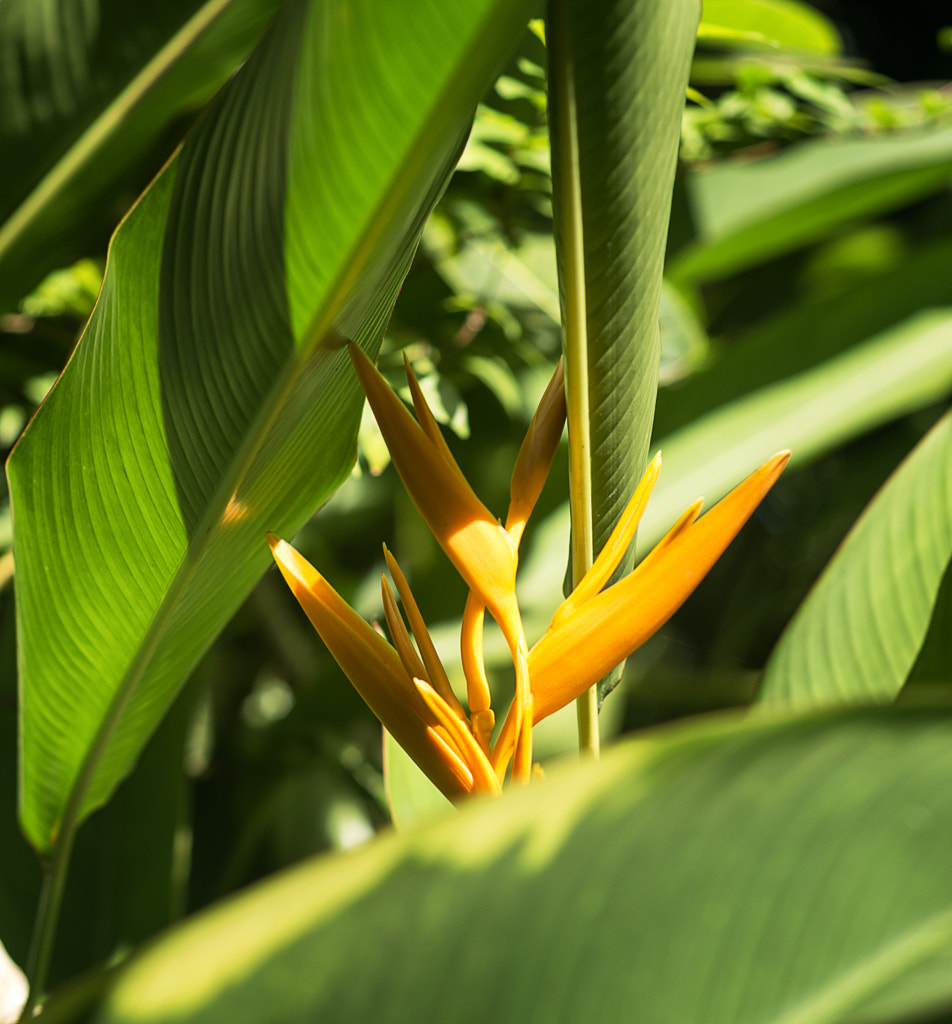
pixel 812 221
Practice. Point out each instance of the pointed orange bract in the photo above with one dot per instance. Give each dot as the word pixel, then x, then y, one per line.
pixel 588 642
pixel 616 545
pixel 482 551
pixel 434 667
pixel 592 631
pixel 472 755
pixel 369 662
pixel 536 454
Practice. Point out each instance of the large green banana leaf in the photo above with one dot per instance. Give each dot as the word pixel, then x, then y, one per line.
pixel 618 71
pixel 786 872
pixel 891 374
pixel 210 398
pixel 856 636
pixel 87 90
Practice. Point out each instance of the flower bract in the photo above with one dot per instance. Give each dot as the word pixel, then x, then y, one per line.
pixel 594 629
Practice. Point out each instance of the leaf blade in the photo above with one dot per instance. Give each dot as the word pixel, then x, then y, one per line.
pixel 189 423
pixel 619 73
pixel 856 636
pixel 900 370
pixel 748 213
pixel 742 833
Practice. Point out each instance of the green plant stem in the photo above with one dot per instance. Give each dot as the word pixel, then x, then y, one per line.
pixel 56 868
pixel 574 329
pixel 47 918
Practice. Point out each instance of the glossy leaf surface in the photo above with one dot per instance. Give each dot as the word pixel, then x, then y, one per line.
pixel 780 24
pixel 619 71
pixel 893 373
pixel 857 635
pixel 746 213
pixel 796 338
pixel 210 399
pixel 743 850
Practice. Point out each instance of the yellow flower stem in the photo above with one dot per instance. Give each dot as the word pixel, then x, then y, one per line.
pixel 474 669
pixel 505 745
pixel 522 761
pixel 575 327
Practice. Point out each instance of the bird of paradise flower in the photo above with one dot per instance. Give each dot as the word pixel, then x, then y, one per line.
pixel 594 629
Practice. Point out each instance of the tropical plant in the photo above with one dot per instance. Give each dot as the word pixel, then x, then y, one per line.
pixel 782 861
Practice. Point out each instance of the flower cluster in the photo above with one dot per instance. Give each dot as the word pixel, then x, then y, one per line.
pixel 594 629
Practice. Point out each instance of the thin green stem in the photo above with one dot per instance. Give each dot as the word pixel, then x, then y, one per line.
pixel 565 153
pixel 47 918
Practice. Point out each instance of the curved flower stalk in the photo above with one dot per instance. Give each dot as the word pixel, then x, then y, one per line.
pixel 594 629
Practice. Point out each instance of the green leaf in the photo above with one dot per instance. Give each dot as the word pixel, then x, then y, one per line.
pixel 684 340
pixel 525 276
pixel 618 71
pixel 857 635
pixel 411 797
pixel 210 398
pixel 896 372
pixel 522 276
pixel 126 876
pixel 718 874
pixel 920 989
pixel 853 305
pixel 86 92
pixel 747 212
pixel 781 23
pixel 934 661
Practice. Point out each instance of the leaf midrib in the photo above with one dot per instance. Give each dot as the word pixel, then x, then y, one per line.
pixel 320 328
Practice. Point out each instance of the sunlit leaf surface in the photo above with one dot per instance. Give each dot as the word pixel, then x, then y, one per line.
pixel 811 413
pixel 781 24
pixel 210 399
pixel 747 212
pixel 857 635
pixel 719 874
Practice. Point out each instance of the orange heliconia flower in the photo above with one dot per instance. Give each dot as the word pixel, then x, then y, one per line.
pixel 593 630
